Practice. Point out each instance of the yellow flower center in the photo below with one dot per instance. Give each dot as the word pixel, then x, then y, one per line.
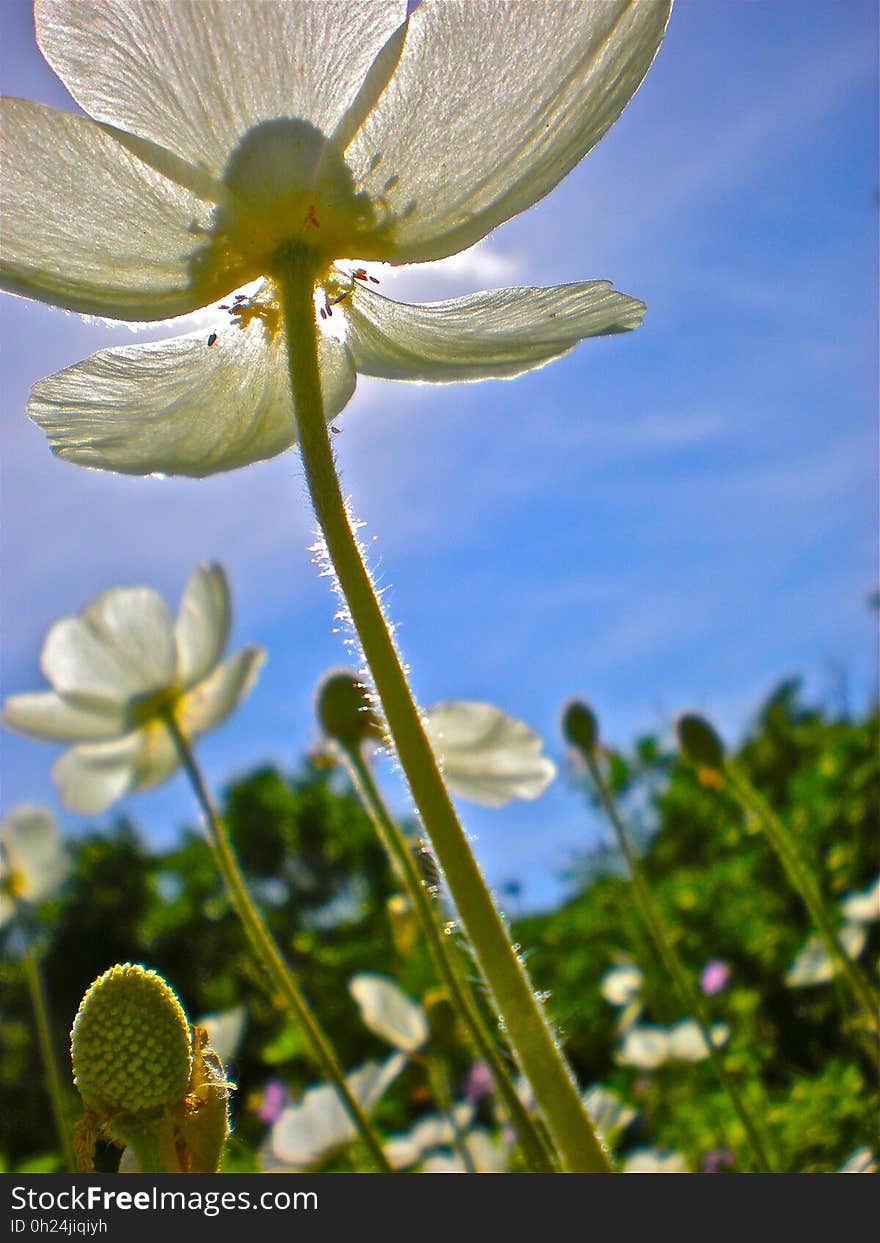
pixel 287 184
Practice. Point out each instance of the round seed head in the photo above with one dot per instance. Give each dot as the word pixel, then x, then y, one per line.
pixel 130 1044
pixel 343 710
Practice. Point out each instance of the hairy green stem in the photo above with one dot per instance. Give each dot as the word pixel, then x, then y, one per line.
pixel 759 1142
pixel 48 1053
pixel 267 952
pixel 531 1038
pixel 443 956
pixel 784 842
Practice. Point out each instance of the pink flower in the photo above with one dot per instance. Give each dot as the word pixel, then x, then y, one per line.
pixel 275 1097
pixel 714 977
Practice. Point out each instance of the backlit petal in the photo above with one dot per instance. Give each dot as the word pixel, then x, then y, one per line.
pixel 203 621
pixel 182 407
pixel 491 104
pixel 210 702
pixel 92 777
pixel 194 75
pixel 35 851
pixel 388 1012
pixel 47 715
pixel 90 225
pixel 487 756
pixel 119 649
pixel 491 335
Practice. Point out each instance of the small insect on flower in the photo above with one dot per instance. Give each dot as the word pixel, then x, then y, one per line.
pixel 212 338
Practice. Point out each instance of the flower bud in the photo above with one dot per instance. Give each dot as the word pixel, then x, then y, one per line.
pixel 130 1044
pixel 343 710
pixel 579 726
pixel 698 742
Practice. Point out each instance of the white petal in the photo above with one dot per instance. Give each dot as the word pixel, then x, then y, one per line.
pixel 486 1157
pixel 608 1113
pixel 203 622
pixel 209 703
pixel 492 335
pixel 491 105
pixel 47 715
pixel 621 984
pixel 194 75
pixel 120 648
pixel 644 1047
pixel 35 851
pixel 225 1031
pixel 433 1131
pixel 863 907
pixel 320 1123
pixel 182 407
pixel 93 225
pixel 487 756
pixel 813 966
pixel 92 777
pixel 686 1043
pixel 389 1013
pixel 654 1161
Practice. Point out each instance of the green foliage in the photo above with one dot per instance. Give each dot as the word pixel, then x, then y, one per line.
pixel 314 863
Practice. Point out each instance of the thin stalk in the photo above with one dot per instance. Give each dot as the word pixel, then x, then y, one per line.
pixel 785 844
pixel 529 1033
pixel 758 1140
pixel 267 952
pixel 439 1082
pixel 443 956
pixel 51 1069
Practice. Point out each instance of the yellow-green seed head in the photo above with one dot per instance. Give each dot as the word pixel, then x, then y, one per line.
pixel 130 1044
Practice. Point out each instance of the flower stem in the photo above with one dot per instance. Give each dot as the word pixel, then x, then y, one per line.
pixel 267 952
pixel 533 1146
pixel 48 1053
pixel 529 1033
pixel 788 849
pixel 439 1082
pixel 758 1140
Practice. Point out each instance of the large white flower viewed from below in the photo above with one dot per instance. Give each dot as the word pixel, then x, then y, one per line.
pixel 221 136
pixel 118 670
pixel 389 1013
pixel 33 859
pixel 486 755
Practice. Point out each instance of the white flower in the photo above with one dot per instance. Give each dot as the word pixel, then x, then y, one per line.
pixel 862 907
pixel 654 1161
pixel 486 755
pixel 225 1030
pixel 33 860
pixel 316 1126
pixel 487 1156
pixel 117 670
pixel 648 1047
pixel 860 1161
pixel 388 1012
pixel 223 134
pixel 608 1114
pixel 813 966
pixel 433 1131
pixel 621 984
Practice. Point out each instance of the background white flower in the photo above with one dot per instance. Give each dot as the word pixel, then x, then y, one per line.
pixel 486 755
pixel 654 1161
pixel 648 1047
pixel 813 965
pixel 117 669
pixel 319 1124
pixel 33 859
pixel 388 1012
pixel 226 132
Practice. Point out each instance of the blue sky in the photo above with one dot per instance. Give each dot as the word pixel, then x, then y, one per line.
pixel 674 518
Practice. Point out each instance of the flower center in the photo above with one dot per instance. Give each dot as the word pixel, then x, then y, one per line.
pixel 287 184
